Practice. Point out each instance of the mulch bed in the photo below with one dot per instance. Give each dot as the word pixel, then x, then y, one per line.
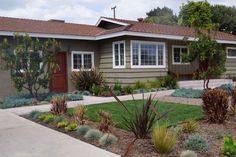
pixel 144 147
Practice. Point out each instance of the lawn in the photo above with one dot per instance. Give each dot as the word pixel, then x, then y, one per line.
pixel 178 112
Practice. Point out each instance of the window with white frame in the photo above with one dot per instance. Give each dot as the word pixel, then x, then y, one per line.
pixel 118 54
pixel 82 60
pixel 147 54
pixel 231 52
pixel 177 52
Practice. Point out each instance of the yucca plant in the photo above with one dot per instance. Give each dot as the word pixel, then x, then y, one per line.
pixel 85 79
pixel 59 105
pixel 142 118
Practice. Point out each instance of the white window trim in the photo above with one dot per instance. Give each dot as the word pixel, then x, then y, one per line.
pixel 82 59
pixel 147 66
pixel 227 52
pixel 113 55
pixel 179 63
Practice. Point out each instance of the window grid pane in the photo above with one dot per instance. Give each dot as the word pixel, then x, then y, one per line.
pixel 135 55
pixel 122 57
pixel 148 54
pixel 77 60
pixel 160 55
pixel 87 61
pixel 116 54
pixel 232 52
pixel 177 55
pixel 184 51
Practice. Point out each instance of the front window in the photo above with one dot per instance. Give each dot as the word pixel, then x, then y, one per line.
pixel 148 54
pixel 231 52
pixel 82 60
pixel 119 54
pixel 177 52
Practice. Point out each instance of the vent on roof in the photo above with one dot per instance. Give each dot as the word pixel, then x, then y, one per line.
pixel 56 20
pixel 140 19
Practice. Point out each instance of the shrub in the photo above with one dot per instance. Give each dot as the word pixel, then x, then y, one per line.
pixel 62 124
pixel 163 139
pixel 59 105
pixel 117 87
pixel 86 93
pixel 155 84
pixel 106 94
pixel 128 89
pixel 190 126
pixel 70 112
pixel 148 85
pixel 141 120
pixel 48 118
pixel 105 121
pixel 188 153
pixel 169 81
pixel 74 97
pixel 42 116
pixel 187 93
pixel 82 129
pixel 85 79
pixel 226 87
pixel 93 134
pixel 176 130
pixel 71 127
pixel 229 147
pixel 33 114
pixel 79 114
pixel 139 85
pixel 116 92
pixel 215 105
pixel 97 89
pixel 197 143
pixel 233 101
pixel 108 139
pixel 58 119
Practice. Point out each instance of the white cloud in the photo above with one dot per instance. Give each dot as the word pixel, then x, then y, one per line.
pixel 88 11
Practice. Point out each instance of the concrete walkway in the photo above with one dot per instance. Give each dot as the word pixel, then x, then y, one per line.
pixel 88 100
pixel 22 138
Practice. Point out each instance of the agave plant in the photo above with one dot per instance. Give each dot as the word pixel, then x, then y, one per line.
pixel 141 120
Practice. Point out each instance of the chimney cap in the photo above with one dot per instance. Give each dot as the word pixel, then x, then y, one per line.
pixel 56 20
pixel 140 19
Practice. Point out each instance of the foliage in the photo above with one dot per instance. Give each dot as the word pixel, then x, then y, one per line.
pixel 116 92
pixel 179 112
pixel 85 79
pixel 93 135
pixel 79 114
pixel 30 61
pixel 97 89
pixel 82 129
pixel 58 119
pixel 161 16
pixel 215 105
pixel 176 130
pixel 225 17
pixel 169 81
pixel 33 114
pixel 156 83
pixel 141 119
pixel 105 121
pixel 42 116
pixel 187 93
pixel 62 124
pixel 74 97
pixel 190 126
pixel 197 143
pixel 71 127
pixel 128 89
pixel 85 92
pixel 139 85
pixel 49 118
pixel 188 153
pixel 14 101
pixel 59 105
pixel 70 112
pixel 117 87
pixel 233 101
pixel 229 147
pixel 163 139
pixel 108 139
pixel 106 94
pixel 226 87
pixel 196 14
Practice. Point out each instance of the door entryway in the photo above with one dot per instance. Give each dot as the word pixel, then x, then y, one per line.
pixel 59 79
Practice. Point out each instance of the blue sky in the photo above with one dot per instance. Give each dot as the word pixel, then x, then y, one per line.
pixel 87 11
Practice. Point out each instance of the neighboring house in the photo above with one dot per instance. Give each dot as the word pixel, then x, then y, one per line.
pixel 124 50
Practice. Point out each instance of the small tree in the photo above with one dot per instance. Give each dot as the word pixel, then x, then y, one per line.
pixel 210 55
pixel 31 62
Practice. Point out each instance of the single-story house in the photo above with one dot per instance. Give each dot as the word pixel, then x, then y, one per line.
pixel 124 50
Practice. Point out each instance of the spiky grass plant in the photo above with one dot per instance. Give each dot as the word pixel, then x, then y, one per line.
pixel 59 105
pixel 105 121
pixel 79 114
pixel 82 129
pixel 188 153
pixel 190 126
pixel 33 114
pixel 108 139
pixel 93 135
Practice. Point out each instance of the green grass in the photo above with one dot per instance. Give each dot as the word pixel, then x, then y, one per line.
pixel 178 113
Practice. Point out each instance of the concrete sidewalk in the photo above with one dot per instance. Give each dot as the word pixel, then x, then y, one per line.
pixel 22 138
pixel 88 100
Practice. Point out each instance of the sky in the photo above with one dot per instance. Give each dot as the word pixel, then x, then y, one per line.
pixel 88 11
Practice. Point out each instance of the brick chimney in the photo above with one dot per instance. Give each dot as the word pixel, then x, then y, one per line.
pixel 140 19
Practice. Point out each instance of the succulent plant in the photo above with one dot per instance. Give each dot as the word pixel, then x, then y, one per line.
pixel 93 134
pixel 108 139
pixel 82 129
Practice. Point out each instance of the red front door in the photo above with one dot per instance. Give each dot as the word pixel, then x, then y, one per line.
pixel 59 79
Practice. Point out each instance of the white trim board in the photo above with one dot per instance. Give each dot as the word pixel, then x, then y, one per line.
pixel 107 36
pixel 111 21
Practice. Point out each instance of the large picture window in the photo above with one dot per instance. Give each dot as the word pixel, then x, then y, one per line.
pixel 82 60
pixel 147 54
pixel 118 54
pixel 177 52
pixel 231 52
